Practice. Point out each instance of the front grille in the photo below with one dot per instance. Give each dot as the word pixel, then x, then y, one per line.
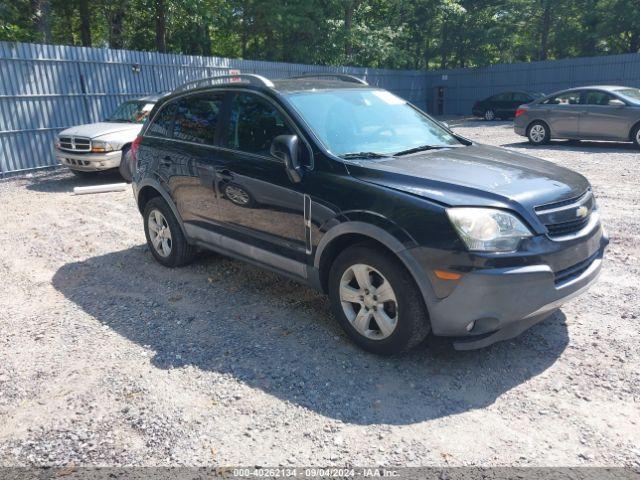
pixel 568 274
pixel 75 144
pixel 567 216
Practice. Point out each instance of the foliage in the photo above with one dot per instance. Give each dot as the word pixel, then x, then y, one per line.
pixel 417 34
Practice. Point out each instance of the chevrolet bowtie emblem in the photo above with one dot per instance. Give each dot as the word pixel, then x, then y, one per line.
pixel 582 212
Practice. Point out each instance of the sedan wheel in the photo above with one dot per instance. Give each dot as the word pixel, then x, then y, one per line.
pixel 489 115
pixel 368 301
pixel 538 133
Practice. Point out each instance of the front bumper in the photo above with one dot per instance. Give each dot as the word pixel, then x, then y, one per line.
pixel 89 162
pixel 492 304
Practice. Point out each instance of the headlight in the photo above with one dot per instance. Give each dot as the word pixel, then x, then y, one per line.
pixel 99 146
pixel 488 229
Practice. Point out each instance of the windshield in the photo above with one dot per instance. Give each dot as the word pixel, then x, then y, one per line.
pixel 632 93
pixel 373 121
pixel 131 112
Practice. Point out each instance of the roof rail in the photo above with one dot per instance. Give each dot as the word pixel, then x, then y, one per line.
pixel 341 76
pixel 222 79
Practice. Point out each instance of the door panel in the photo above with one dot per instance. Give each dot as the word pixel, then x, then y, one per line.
pixel 193 157
pixel 257 201
pixel 600 120
pixel 562 113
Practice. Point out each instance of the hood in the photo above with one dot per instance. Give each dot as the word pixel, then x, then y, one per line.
pixel 93 130
pixel 474 175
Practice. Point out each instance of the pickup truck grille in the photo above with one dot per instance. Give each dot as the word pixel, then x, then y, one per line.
pixel 568 216
pixel 75 144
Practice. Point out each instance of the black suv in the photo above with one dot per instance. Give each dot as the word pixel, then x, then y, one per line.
pixel 409 227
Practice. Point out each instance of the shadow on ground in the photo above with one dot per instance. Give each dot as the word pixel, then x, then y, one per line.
pixel 63 180
pixel 275 335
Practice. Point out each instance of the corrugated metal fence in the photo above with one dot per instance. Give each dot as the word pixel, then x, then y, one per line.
pixel 462 87
pixel 45 88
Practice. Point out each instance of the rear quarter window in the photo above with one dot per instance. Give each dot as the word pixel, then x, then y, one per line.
pixel 162 123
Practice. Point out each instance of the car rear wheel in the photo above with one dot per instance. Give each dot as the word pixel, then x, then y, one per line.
pixel 489 115
pixel 376 301
pixel 538 133
pixel 164 235
pixel 635 135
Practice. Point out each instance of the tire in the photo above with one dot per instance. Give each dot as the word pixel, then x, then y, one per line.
pixel 489 115
pixel 125 165
pixel 179 252
pixel 538 133
pixel 635 135
pixel 406 320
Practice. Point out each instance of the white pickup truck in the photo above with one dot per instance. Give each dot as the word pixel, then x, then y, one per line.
pixel 104 145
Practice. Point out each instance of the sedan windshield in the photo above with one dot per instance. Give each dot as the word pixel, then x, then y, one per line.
pixel 632 93
pixel 131 112
pixel 369 123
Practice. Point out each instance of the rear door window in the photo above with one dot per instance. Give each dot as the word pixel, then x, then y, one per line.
pixel 595 97
pixel 253 124
pixel 197 117
pixel 565 99
pixel 521 97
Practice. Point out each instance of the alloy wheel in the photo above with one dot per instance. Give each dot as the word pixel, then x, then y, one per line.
pixel 489 115
pixel 159 233
pixel 368 301
pixel 538 133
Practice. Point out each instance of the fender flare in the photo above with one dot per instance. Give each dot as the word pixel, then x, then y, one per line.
pixel 392 243
pixel 155 185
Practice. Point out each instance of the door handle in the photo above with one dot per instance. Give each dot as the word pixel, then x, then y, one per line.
pixel 225 175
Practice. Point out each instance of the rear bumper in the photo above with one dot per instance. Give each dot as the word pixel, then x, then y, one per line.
pixel 89 162
pixel 519 126
pixel 492 304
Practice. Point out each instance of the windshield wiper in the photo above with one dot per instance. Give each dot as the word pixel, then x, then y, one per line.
pixel 347 156
pixel 421 148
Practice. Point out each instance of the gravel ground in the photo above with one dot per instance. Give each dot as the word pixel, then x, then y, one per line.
pixel 107 358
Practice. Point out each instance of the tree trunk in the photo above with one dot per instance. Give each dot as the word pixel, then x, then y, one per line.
pixel 350 9
pixel 545 27
pixel 115 26
pixel 444 52
pixel 41 14
pixel 634 42
pixel 85 23
pixel 161 26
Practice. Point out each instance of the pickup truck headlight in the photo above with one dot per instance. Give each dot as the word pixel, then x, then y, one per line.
pixel 488 229
pixel 99 146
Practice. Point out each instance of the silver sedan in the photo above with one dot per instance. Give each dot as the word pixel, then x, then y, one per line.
pixel 585 113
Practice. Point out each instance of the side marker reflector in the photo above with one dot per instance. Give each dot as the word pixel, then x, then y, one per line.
pixel 444 275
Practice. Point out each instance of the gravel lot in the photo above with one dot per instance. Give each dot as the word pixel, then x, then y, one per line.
pixel 107 358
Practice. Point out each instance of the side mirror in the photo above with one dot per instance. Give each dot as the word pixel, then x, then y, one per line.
pixel 285 148
pixel 616 102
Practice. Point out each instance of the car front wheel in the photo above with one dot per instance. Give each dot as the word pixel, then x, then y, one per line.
pixel 489 115
pixel 164 235
pixel 376 301
pixel 538 133
pixel 635 135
